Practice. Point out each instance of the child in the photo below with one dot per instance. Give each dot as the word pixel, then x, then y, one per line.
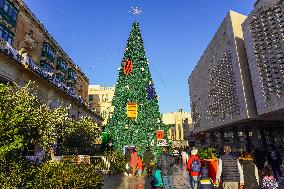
pixel 268 181
pixel 157 181
pixel 205 182
pixel 139 166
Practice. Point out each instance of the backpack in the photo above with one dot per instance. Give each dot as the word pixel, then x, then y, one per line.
pixel 157 179
pixel 195 166
pixel 273 155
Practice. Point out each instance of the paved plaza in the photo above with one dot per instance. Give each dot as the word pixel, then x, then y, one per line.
pixel 120 181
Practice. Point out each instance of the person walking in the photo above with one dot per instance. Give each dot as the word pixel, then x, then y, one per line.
pixel 230 169
pixel 205 181
pixel 184 156
pixel 139 166
pixel 260 158
pixel 165 164
pixel 194 168
pixel 134 161
pixel 268 181
pixel 127 157
pixel 250 171
pixel 147 158
pixel 275 161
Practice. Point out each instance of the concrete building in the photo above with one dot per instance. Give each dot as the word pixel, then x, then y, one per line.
pixel 179 133
pixel 263 33
pixel 29 52
pixel 220 87
pixel 100 100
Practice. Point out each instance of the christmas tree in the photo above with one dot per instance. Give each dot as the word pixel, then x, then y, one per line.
pixel 136 117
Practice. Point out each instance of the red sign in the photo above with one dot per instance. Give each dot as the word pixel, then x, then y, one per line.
pixel 160 134
pixel 127 66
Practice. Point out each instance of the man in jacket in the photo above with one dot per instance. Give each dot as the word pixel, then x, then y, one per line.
pixel 194 168
pixel 166 163
pixel 127 157
pixel 229 170
pixel 275 161
pixel 147 159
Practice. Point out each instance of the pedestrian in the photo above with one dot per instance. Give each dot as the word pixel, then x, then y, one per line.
pixel 184 156
pixel 127 157
pixel 268 181
pixel 260 158
pixel 194 168
pixel 147 158
pixel 275 161
pixel 230 169
pixel 250 171
pixel 139 166
pixel 133 161
pixel 157 181
pixel 166 163
pixel 205 181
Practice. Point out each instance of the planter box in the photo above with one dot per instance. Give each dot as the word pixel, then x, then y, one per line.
pixel 212 166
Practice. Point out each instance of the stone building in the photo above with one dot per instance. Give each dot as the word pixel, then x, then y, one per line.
pixel 100 100
pixel 221 93
pixel 220 87
pixel 29 52
pixel 263 34
pixel 179 133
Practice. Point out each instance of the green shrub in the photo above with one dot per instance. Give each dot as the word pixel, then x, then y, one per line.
pixel 65 175
pixel 59 175
pixel 207 153
pixel 117 161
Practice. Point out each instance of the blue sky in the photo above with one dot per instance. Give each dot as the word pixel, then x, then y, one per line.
pixel 175 32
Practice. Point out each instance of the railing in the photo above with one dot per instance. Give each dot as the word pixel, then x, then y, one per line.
pixel 102 164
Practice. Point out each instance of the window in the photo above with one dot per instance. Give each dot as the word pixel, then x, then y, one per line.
pixel 46 66
pixel 91 98
pixel 62 65
pixel 71 74
pixel 48 52
pixel 9 11
pixel 60 78
pixel 6 35
pixel 103 114
pixel 105 98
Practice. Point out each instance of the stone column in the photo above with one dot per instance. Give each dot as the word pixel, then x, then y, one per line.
pixel 222 138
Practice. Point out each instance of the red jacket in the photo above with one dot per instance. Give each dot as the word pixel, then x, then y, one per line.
pixel 192 157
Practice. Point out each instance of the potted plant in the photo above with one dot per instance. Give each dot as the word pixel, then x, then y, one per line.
pixel 209 157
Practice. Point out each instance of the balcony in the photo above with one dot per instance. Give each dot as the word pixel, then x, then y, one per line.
pixel 10 19
pixel 47 57
pixel 61 67
pixel 72 77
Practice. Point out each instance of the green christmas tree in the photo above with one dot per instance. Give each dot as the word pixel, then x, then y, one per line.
pixel 135 85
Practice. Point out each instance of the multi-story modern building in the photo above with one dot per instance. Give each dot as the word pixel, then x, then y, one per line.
pixel 221 94
pixel 264 40
pixel 237 88
pixel 181 126
pixel 100 100
pixel 29 52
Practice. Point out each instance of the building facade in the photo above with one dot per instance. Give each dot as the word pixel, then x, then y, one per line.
pixel 100 100
pixel 29 52
pixel 181 121
pixel 236 89
pixel 263 35
pixel 220 86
